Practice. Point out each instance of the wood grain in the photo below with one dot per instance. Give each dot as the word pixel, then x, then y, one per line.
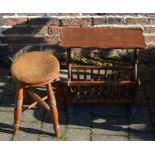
pixel 102 37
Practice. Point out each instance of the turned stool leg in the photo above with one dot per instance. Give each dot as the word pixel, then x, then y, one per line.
pixel 18 107
pixel 53 109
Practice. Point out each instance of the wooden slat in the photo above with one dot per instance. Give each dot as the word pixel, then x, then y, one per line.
pixel 39 100
pixel 35 103
pixel 102 37
pixel 127 101
pixel 102 67
pixel 113 83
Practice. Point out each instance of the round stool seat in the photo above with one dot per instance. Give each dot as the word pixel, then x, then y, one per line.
pixel 35 67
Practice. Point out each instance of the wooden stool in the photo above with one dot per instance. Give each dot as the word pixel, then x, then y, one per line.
pixel 35 69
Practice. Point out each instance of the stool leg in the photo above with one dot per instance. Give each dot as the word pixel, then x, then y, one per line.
pixel 53 109
pixel 18 108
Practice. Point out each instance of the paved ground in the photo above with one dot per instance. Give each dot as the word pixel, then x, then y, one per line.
pixel 83 123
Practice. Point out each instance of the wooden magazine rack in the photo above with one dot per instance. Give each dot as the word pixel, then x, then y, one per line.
pixel 89 84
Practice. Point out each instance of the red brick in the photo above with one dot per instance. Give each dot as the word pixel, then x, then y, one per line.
pixel 17 47
pixel 150 39
pixel 115 20
pixel 152 21
pixel 53 30
pixel 149 29
pixel 116 14
pixel 125 14
pixel 150 45
pixel 101 21
pixel 4 55
pixel 8 30
pixel 43 21
pixel 30 48
pixel 23 30
pixel 59 52
pixel 7 14
pixel 25 47
pixel 92 14
pixel 64 14
pixel 141 21
pixel 13 21
pixel 76 22
pixel 149 14
pixel 15 40
pixel 53 40
pixel 32 14
pixel 39 30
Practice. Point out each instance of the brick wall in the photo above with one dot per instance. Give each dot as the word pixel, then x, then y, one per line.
pixel 20 32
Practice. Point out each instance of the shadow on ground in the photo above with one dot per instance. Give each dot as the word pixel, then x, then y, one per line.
pixel 113 120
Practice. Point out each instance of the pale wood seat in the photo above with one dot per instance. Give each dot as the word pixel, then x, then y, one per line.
pixel 36 69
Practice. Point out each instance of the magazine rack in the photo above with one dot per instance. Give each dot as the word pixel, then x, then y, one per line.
pixel 88 84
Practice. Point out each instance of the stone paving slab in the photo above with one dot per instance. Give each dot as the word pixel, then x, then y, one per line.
pixel 28 132
pixel 4 136
pixel 139 136
pixel 98 137
pixel 141 121
pixel 50 138
pixel 10 90
pixel 140 98
pixel 151 101
pixel 150 89
pixel 4 80
pixel 47 126
pixel 153 121
pixel 4 71
pixel 79 116
pixel 152 106
pixel 110 126
pixel 77 134
pixel 6 122
pixel 33 115
pixel 144 74
pixel 110 110
pixel 8 101
pixel 82 122
pixel 7 104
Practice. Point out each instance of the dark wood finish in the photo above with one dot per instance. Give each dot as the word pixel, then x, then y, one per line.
pixel 101 67
pixel 102 38
pixel 135 63
pixel 108 83
pixel 41 73
pixel 102 87
pixel 84 84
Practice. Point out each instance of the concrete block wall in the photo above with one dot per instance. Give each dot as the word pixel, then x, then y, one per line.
pixel 21 32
